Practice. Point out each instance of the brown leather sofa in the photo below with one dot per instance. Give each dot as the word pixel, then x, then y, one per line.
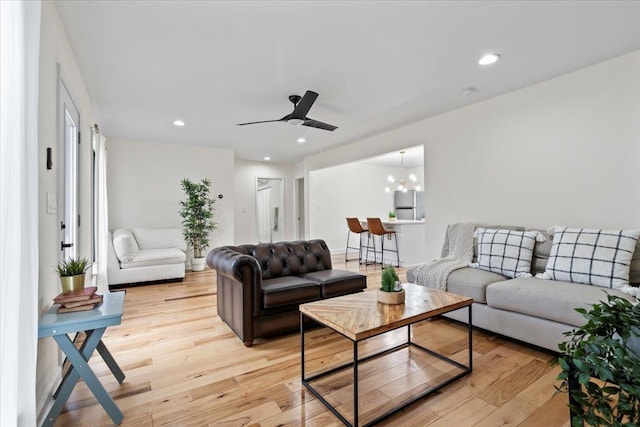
pixel 261 286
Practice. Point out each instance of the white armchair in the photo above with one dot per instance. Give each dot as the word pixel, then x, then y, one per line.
pixel 146 254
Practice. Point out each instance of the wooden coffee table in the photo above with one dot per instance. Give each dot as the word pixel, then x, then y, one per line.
pixel 360 316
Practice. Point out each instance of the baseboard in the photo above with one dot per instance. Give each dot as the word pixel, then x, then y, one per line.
pixel 45 401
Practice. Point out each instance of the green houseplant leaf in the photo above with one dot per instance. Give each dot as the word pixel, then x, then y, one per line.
pixel 197 212
pixel 72 267
pixel 388 280
pixel 604 349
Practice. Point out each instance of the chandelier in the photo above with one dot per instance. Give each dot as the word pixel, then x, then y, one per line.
pixel 402 184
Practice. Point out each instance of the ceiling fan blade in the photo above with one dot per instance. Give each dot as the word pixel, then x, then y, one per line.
pixel 263 121
pixel 316 124
pixel 303 107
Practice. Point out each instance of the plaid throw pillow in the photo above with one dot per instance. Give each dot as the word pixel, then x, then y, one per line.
pixel 506 252
pixel 590 256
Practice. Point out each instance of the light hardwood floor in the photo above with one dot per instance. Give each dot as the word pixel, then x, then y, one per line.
pixel 184 367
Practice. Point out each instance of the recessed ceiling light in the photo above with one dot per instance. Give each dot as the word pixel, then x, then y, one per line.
pixel 301 140
pixel 267 158
pixel 489 59
pixel 178 123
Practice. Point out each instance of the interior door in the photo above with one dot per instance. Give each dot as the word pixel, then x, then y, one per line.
pixel 69 138
pixel 270 215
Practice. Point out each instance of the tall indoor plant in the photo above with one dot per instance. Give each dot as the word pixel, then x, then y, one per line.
pixel 197 218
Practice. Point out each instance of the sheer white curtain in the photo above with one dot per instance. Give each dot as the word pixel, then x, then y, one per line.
pixel 19 55
pixel 100 203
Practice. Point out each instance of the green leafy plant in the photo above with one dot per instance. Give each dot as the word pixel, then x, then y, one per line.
pixel 604 349
pixel 392 214
pixel 72 267
pixel 197 214
pixel 389 279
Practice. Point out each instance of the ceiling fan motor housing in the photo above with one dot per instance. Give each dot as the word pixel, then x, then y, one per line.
pixel 295 99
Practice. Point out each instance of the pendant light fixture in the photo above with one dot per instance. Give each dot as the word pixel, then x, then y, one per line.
pixel 402 184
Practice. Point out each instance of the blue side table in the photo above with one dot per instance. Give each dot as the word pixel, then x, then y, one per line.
pixel 94 323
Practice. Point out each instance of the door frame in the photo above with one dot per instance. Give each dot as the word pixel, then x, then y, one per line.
pixel 66 103
pixel 299 203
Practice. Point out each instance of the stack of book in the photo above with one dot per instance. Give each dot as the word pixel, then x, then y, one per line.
pixel 86 299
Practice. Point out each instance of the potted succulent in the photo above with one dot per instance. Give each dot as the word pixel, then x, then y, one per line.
pixel 390 291
pixel 197 218
pixel 606 349
pixel 72 274
pixel 392 216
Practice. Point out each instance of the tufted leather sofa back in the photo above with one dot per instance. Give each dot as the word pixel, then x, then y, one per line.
pixel 288 258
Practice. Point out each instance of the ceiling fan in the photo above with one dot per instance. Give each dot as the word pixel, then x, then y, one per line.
pixel 301 106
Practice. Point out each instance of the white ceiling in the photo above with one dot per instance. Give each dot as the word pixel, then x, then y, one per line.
pixel 413 158
pixel 376 65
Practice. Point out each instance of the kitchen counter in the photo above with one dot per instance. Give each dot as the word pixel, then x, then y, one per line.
pixel 411 242
pixel 402 221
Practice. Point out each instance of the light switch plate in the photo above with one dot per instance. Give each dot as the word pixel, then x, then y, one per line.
pixel 52 203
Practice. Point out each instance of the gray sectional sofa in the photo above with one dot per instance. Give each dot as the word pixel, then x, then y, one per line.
pixel 528 309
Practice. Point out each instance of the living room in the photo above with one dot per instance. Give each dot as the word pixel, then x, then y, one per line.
pixel 558 147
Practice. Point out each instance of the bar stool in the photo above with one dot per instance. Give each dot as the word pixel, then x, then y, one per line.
pixel 355 227
pixel 377 229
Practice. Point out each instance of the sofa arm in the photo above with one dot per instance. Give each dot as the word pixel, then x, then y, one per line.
pixel 239 281
pixel 230 263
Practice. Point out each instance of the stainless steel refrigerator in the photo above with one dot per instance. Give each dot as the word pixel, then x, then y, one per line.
pixel 409 204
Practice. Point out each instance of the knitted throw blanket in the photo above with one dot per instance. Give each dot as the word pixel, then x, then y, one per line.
pixel 434 274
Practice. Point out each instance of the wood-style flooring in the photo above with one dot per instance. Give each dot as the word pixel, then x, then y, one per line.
pixel 185 367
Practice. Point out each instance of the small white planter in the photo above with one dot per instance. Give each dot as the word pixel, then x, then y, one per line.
pixel 391 297
pixel 197 264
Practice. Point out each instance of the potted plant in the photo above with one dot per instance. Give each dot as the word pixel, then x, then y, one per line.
pixel 72 274
pixel 390 291
pixel 197 218
pixel 605 348
pixel 392 216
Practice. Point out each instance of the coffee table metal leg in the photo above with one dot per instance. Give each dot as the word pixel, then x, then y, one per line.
pixel 302 347
pixel 470 340
pixel 313 391
pixel 355 383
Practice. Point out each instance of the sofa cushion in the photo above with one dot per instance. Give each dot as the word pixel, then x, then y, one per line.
pixel 591 256
pixel 124 245
pixel 338 282
pixel 472 282
pixel 506 252
pixel 547 299
pixel 445 245
pixel 151 257
pixel 160 238
pixel 288 290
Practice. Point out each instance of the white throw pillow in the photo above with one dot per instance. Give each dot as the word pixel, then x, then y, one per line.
pixel 591 256
pixel 506 252
pixel 124 244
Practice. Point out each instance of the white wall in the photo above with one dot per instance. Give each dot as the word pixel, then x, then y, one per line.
pixel 245 174
pixel 55 49
pixel 564 151
pixel 350 190
pixel 143 180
